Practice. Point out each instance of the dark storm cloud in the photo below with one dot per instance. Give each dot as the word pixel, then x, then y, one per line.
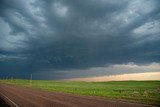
pixel 38 35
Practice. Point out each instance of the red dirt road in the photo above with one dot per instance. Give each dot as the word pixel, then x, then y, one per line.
pixel 29 97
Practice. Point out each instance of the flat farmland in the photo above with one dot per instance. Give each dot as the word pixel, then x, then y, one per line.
pixel 145 92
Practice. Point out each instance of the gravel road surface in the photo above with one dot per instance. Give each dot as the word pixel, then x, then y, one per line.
pixel 17 96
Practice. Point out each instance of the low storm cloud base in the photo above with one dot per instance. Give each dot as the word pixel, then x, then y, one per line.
pixel 66 39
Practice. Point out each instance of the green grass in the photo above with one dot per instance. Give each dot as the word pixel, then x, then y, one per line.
pixel 147 92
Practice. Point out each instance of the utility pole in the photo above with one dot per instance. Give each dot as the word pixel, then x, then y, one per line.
pixel 12 78
pixel 30 79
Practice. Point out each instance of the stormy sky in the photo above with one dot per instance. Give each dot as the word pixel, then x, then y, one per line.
pixel 59 39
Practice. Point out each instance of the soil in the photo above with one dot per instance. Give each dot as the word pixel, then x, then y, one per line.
pixel 30 97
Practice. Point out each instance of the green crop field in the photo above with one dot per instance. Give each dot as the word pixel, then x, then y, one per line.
pixel 147 92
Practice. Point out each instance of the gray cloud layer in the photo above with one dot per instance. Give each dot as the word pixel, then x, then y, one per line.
pixel 60 34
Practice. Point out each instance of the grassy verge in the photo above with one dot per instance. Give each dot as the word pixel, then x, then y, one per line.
pixel 147 92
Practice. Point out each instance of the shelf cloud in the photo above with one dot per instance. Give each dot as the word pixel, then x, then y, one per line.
pixel 52 36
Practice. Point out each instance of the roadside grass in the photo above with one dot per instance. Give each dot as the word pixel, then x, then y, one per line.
pixel 147 92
